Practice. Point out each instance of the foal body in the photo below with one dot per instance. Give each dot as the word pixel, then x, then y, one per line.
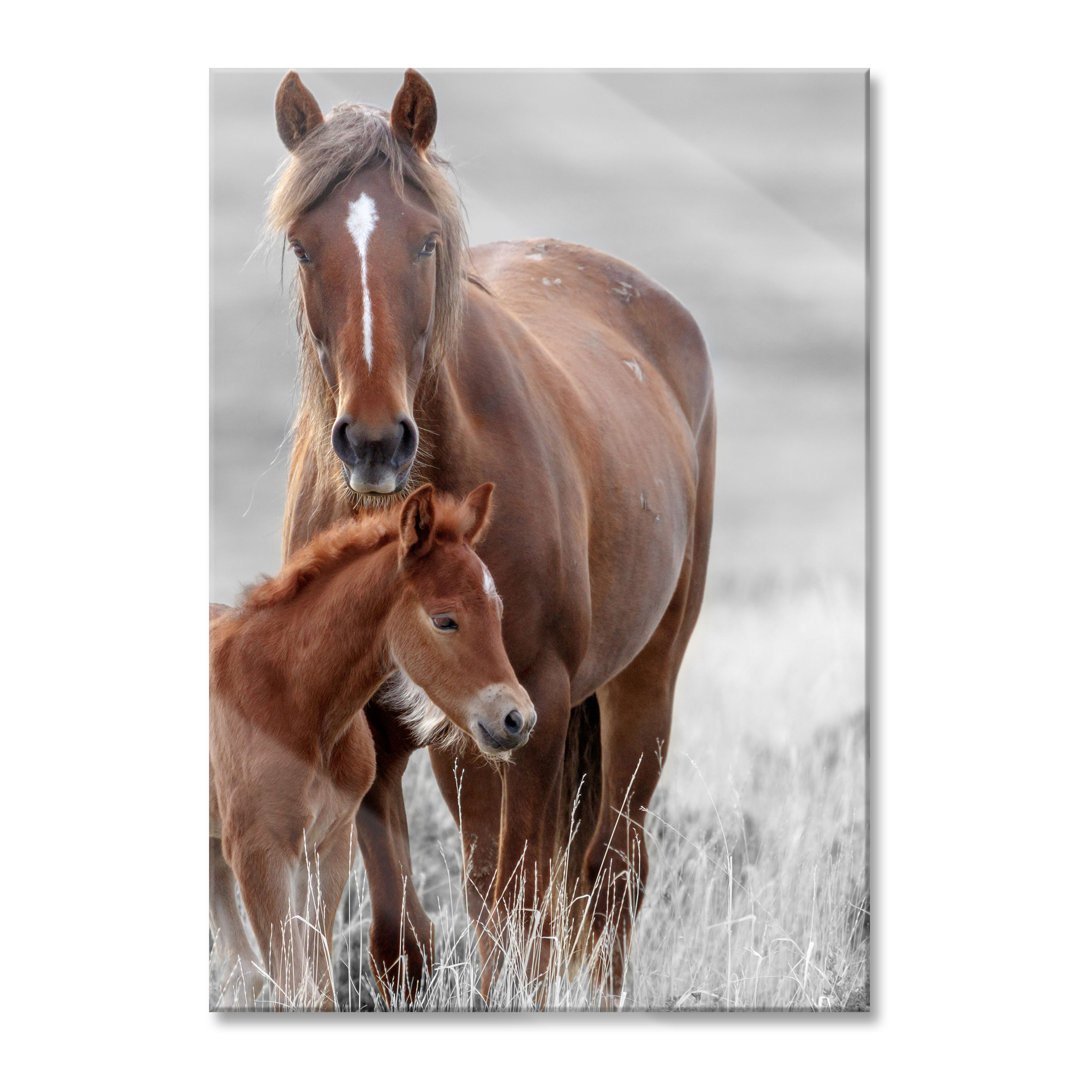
pixel 291 754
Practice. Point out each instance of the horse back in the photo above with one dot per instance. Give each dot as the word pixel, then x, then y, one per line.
pixel 577 301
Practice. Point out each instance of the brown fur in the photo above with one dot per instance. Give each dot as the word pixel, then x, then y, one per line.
pixel 355 137
pixel 585 391
pixel 291 754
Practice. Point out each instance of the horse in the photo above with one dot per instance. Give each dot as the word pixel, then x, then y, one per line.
pixel 401 593
pixel 584 389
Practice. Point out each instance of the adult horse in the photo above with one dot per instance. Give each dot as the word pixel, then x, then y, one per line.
pixel 584 390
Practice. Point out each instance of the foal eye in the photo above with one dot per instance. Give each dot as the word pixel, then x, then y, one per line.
pixel 429 246
pixel 444 623
pixel 299 252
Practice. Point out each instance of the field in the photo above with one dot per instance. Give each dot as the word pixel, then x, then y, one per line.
pixel 758 896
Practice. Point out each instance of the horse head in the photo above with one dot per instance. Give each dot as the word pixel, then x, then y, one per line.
pixel 446 634
pixel 374 227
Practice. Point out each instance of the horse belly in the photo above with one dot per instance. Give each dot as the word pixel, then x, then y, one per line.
pixel 634 575
pixel 617 435
pixel 640 522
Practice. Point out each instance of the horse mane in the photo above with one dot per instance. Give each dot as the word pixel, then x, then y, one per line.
pixel 351 138
pixel 341 543
pixel 328 551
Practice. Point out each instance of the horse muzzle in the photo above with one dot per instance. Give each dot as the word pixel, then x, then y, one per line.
pixel 374 461
pixel 504 724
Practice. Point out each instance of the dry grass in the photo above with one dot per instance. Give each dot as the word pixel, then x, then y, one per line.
pixel 758 892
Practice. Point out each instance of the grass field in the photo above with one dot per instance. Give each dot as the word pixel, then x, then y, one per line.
pixel 758 892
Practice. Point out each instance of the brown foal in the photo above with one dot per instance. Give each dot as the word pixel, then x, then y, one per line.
pixel 291 753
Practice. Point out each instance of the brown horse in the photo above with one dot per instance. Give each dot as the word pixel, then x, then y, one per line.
pixel 291 754
pixel 585 390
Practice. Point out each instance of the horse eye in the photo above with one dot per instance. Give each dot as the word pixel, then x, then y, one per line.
pixel 299 252
pixel 444 623
pixel 429 246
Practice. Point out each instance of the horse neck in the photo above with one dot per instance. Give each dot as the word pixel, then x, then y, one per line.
pixel 346 624
pixel 308 666
pixel 439 415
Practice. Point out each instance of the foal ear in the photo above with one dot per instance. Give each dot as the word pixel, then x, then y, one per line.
pixel 477 514
pixel 413 116
pixel 298 113
pixel 418 522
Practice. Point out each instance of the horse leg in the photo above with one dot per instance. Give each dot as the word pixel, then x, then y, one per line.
pixel 473 794
pixel 242 981
pixel 267 873
pixel 508 828
pixel 635 725
pixel 635 719
pixel 335 862
pixel 402 936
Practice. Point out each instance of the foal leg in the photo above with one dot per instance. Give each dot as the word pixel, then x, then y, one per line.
pixel 242 981
pixel 335 862
pixel 267 873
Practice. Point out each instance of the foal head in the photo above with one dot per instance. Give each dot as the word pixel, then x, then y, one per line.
pixel 446 630
pixel 376 231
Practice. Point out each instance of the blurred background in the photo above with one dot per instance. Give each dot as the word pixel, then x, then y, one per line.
pixel 741 192
pixel 744 194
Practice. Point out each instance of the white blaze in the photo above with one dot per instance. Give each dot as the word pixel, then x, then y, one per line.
pixel 361 224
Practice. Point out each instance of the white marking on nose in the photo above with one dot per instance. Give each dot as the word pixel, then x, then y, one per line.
pixel 361 224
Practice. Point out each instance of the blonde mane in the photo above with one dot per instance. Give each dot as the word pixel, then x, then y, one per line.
pixel 354 137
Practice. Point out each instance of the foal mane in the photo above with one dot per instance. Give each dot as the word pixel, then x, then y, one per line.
pixel 328 551
pixel 354 137
pixel 348 540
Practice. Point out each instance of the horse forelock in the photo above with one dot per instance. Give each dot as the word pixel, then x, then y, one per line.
pixel 354 137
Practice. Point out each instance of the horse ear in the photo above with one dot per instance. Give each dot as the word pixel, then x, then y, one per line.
pixel 298 113
pixel 413 116
pixel 478 514
pixel 418 522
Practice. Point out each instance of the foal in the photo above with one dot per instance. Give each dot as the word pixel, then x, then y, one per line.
pixel 291 754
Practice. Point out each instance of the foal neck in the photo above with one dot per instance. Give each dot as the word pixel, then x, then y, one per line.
pixel 308 648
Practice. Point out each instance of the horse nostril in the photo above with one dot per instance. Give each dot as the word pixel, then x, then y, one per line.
pixel 342 442
pixel 513 723
pixel 407 441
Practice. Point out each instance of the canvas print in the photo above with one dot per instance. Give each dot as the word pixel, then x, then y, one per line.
pixel 538 541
